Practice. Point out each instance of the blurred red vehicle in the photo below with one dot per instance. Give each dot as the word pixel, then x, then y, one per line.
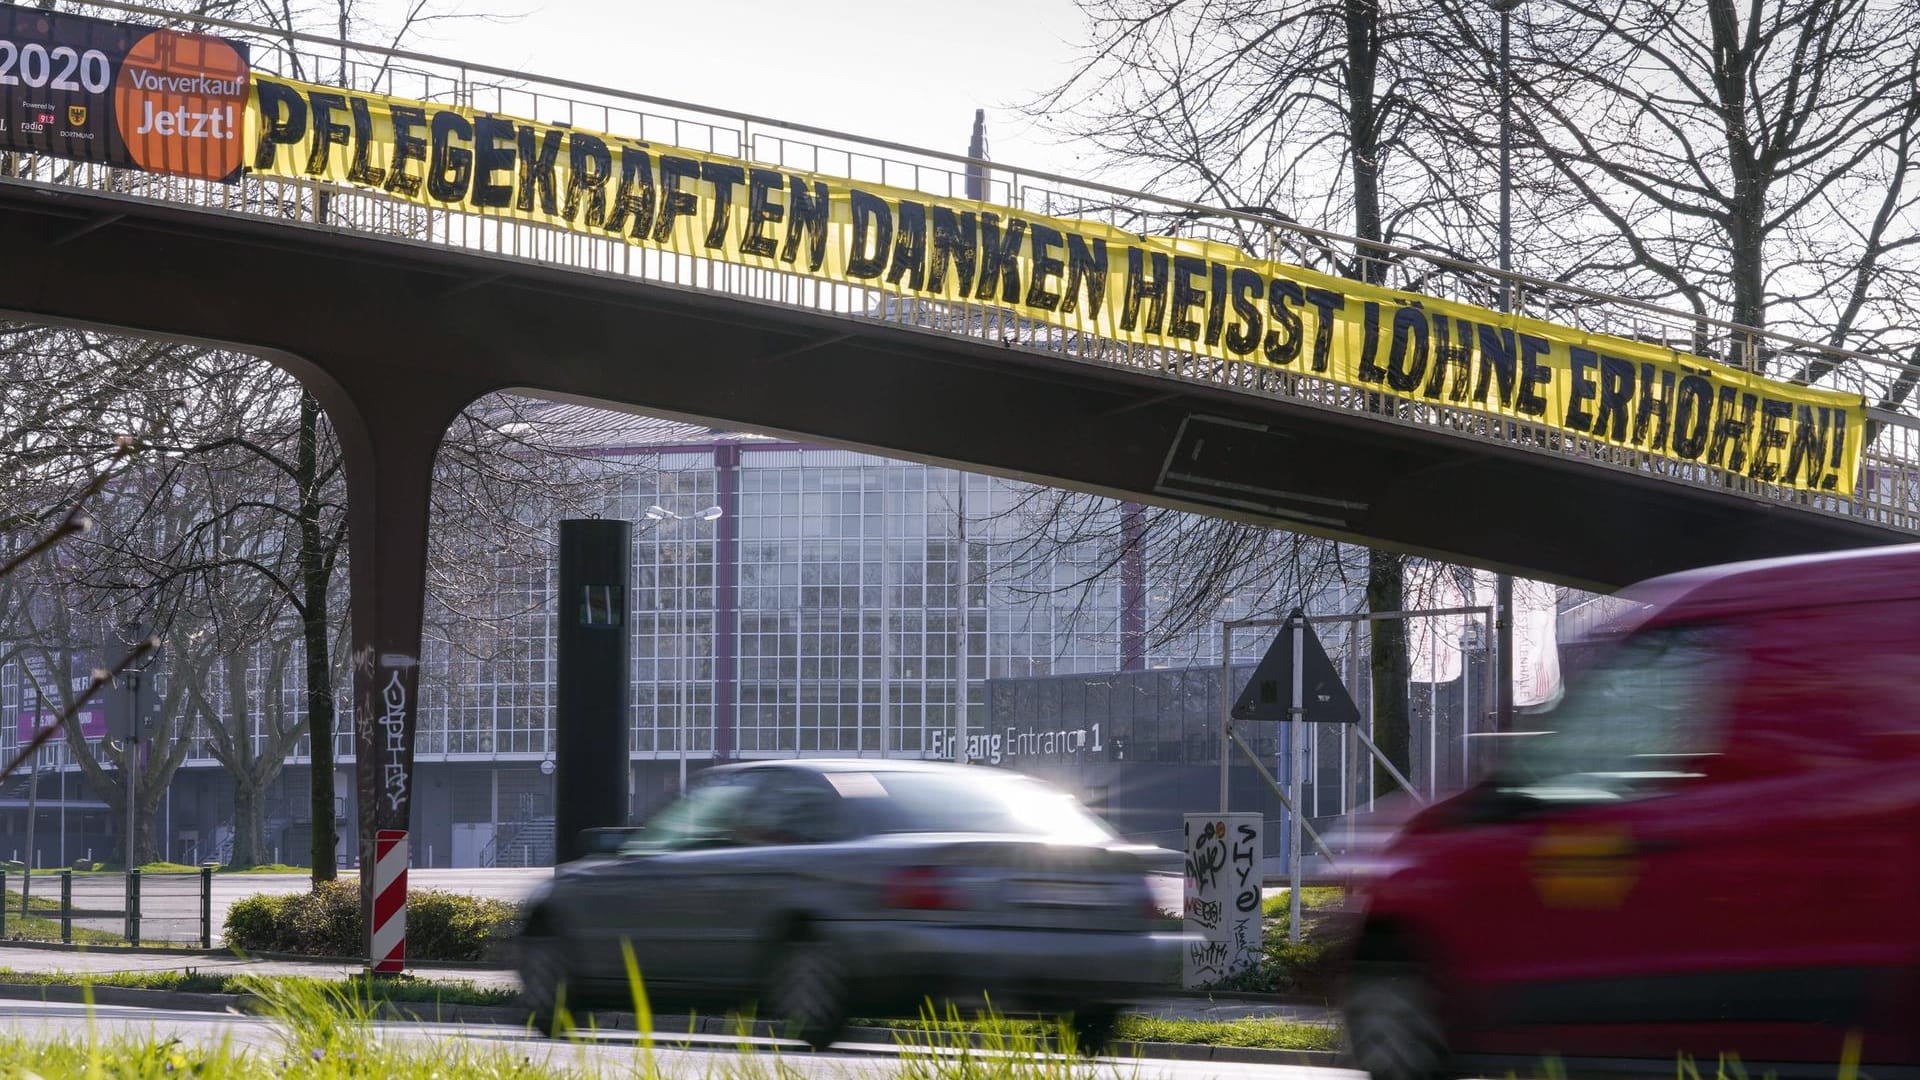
pixel 1711 848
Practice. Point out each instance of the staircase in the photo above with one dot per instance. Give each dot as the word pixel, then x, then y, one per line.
pixel 526 843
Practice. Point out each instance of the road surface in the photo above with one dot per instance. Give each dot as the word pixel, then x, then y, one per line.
pixel 615 1052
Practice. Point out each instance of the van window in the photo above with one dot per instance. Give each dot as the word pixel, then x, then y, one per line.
pixel 1641 717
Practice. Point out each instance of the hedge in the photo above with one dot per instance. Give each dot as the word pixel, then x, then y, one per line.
pixel 327 922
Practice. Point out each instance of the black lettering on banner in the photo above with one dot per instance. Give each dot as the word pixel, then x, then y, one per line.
pixel 362 170
pixel 1216 301
pixel 1086 269
pixel 1370 371
pixel 1581 387
pixel 872 229
pixel 675 201
pixel 493 143
pixel 539 153
pixel 1000 258
pixel 1325 302
pixel 910 246
pixel 450 171
pixel 407 146
pixel 1773 437
pixel 956 242
pixel 1692 416
pixel 589 167
pixel 283 116
pixel 762 211
pixel 1282 344
pixel 1496 364
pixel 1653 407
pixel 634 197
pixel 1142 287
pixel 1838 447
pixel 1729 446
pixel 806 217
pixel 723 178
pixel 1450 353
pixel 1046 242
pixel 327 132
pixel 1185 297
pixel 1528 400
pixel 1407 355
pixel 1809 445
pixel 1247 330
pixel 1616 398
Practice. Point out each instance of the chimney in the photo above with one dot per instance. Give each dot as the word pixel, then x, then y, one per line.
pixel 977 149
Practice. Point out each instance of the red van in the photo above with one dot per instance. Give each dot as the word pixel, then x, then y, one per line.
pixel 1710 849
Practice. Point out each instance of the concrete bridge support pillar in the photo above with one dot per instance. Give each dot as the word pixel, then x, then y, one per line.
pixel 390 425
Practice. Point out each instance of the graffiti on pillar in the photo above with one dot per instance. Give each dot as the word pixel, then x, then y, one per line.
pixel 393 721
pixel 1223 902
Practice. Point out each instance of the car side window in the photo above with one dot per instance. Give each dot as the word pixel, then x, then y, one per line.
pixel 712 814
pixel 793 808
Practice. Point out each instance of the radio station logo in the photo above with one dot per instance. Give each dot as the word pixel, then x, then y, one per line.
pixel 180 103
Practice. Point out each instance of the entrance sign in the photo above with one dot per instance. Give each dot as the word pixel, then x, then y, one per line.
pixel 1083 277
pixel 133 97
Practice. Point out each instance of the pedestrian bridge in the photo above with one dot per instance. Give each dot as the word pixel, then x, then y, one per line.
pixel 426 231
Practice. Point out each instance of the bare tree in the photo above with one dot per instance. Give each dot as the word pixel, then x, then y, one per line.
pixel 1749 163
pixel 1313 112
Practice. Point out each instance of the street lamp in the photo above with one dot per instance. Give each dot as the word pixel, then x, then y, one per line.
pixel 661 514
pixel 1503 583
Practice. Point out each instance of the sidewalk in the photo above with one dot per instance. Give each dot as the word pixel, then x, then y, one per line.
pixel 104 961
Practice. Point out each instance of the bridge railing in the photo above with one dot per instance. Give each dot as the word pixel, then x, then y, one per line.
pixel 1887 491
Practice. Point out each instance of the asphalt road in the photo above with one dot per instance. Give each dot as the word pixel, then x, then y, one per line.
pixel 613 1052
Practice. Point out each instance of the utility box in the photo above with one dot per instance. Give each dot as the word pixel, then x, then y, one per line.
pixel 1221 915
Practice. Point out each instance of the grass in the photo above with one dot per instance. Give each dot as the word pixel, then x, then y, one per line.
pixel 1312 898
pixel 183 868
pixel 1251 1033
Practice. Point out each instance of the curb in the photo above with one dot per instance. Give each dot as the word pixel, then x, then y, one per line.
pixel 229 954
pixel 665 1027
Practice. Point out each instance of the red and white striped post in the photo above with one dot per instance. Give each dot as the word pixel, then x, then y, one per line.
pixel 389 901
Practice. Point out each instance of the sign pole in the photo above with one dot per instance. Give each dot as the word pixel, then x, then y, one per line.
pixel 1296 737
pixel 1226 705
pixel 133 763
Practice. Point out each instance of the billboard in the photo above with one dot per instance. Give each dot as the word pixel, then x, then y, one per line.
pixel 133 97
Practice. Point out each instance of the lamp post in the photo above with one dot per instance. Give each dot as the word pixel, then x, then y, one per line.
pixel 661 514
pixel 1503 583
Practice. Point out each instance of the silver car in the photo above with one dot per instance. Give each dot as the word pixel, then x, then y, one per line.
pixel 819 890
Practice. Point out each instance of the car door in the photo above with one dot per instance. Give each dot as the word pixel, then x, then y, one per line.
pixel 1616 875
pixel 666 893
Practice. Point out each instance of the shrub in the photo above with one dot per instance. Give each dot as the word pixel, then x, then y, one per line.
pixel 327 922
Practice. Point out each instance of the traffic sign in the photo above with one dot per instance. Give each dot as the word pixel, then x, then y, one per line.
pixel 1269 694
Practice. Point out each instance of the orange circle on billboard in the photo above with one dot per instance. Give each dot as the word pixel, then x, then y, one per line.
pixel 180 103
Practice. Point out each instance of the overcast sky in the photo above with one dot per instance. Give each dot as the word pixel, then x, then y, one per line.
pixel 912 71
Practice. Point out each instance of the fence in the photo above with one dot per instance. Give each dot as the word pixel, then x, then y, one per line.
pixel 108 907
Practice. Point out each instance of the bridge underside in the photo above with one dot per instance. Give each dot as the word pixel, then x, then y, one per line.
pixel 406 334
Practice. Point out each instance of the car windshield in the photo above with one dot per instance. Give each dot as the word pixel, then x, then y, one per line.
pixel 989 802
pixel 1646 712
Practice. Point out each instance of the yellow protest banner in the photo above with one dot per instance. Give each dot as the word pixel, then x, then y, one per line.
pixel 1194 296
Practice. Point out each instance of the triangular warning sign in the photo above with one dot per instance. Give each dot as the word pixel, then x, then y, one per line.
pixel 1269 694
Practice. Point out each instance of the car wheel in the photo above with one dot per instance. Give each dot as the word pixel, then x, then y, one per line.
pixel 807 991
pixel 543 980
pixel 1393 1024
pixel 1093 1028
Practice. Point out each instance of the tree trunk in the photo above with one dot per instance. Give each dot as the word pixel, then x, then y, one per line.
pixel 315 570
pixel 1392 731
pixel 249 822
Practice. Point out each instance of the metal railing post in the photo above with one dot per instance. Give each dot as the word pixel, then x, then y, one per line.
pixel 3 904
pixel 66 906
pixel 133 906
pixel 206 907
